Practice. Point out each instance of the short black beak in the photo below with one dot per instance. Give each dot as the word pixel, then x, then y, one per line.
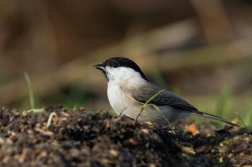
pixel 99 67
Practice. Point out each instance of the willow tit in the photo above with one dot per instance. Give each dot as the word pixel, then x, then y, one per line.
pixel 128 89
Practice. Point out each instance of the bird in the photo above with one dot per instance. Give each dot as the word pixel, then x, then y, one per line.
pixel 128 89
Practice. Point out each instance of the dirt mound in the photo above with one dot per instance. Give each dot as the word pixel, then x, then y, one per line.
pixel 94 138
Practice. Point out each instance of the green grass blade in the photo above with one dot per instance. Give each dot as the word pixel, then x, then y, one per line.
pixel 243 125
pixel 66 104
pixel 222 102
pixel 217 125
pixel 154 96
pixel 31 96
pixel 146 104
pixel 248 119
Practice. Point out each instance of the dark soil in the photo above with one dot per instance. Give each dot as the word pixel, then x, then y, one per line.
pixel 94 138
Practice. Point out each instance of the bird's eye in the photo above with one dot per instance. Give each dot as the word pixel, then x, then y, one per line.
pixel 115 65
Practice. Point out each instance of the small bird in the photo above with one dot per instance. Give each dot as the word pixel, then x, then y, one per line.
pixel 129 89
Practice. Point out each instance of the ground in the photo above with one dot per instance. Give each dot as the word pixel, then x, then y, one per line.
pixel 95 138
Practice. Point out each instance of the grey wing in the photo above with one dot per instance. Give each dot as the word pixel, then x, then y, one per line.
pixel 166 97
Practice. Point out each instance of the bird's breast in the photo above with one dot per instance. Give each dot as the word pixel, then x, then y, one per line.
pixel 116 97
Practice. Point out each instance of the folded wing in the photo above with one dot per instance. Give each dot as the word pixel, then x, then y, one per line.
pixel 164 98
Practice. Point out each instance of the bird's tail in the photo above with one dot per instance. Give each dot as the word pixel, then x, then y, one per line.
pixel 205 115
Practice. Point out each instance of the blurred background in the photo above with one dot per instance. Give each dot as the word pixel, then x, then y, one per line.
pixel 201 50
